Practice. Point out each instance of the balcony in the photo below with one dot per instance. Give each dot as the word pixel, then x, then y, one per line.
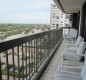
pixel 26 58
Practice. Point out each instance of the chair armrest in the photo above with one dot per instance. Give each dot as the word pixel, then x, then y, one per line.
pixel 69 69
pixel 70 50
pixel 71 41
pixel 84 55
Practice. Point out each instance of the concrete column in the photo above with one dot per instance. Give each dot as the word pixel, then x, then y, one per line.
pixel 75 21
pixel 82 25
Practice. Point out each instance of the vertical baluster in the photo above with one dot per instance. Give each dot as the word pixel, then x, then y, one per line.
pixel 0 68
pixel 37 54
pixel 49 44
pixel 29 59
pixel 39 51
pixel 34 55
pixel 57 37
pixel 22 60
pixel 26 58
pixel 13 63
pixel 54 39
pixel 18 62
pixel 45 55
pixel 7 65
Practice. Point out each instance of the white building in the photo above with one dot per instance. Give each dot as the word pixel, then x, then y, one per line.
pixel 58 19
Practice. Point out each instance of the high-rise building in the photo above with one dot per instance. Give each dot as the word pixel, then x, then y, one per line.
pixel 58 19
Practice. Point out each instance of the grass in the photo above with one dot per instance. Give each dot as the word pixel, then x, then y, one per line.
pixel 11 73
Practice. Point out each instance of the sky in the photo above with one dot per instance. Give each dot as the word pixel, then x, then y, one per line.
pixel 25 11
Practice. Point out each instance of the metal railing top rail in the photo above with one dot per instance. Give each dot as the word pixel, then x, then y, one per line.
pixel 67 27
pixel 17 42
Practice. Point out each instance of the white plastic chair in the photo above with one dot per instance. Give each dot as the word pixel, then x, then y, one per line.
pixel 72 34
pixel 74 57
pixel 74 44
pixel 70 75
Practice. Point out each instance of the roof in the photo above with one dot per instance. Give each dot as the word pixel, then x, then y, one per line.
pixel 69 6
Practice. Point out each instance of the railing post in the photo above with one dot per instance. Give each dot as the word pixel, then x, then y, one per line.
pixel 29 58
pixel 13 63
pixel 54 38
pixel 48 43
pixel 18 63
pixel 26 58
pixel 36 56
pixel 7 65
pixel 0 69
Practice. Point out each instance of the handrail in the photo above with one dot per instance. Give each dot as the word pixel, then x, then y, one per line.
pixel 16 42
pixel 67 27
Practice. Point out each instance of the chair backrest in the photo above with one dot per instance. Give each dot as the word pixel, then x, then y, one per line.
pixel 73 33
pixel 79 40
pixel 81 50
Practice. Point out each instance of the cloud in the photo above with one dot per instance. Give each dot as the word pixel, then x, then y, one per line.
pixel 25 11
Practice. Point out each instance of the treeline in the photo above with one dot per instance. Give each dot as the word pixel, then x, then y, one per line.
pixel 11 29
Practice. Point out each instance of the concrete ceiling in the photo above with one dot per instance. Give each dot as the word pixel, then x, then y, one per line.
pixel 69 6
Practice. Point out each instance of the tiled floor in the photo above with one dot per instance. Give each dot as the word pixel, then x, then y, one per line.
pixel 54 64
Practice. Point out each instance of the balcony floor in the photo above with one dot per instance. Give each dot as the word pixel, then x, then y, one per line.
pixel 55 63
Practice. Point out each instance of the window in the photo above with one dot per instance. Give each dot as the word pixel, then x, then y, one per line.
pixel 54 5
pixel 53 24
pixel 61 16
pixel 61 24
pixel 57 25
pixel 67 17
pixel 57 17
pixel 61 21
pixel 70 17
pixel 53 16
pixel 66 25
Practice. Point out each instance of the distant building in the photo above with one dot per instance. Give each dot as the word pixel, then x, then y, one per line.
pixel 58 19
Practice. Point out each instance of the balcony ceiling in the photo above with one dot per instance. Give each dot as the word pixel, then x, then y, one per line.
pixel 69 6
